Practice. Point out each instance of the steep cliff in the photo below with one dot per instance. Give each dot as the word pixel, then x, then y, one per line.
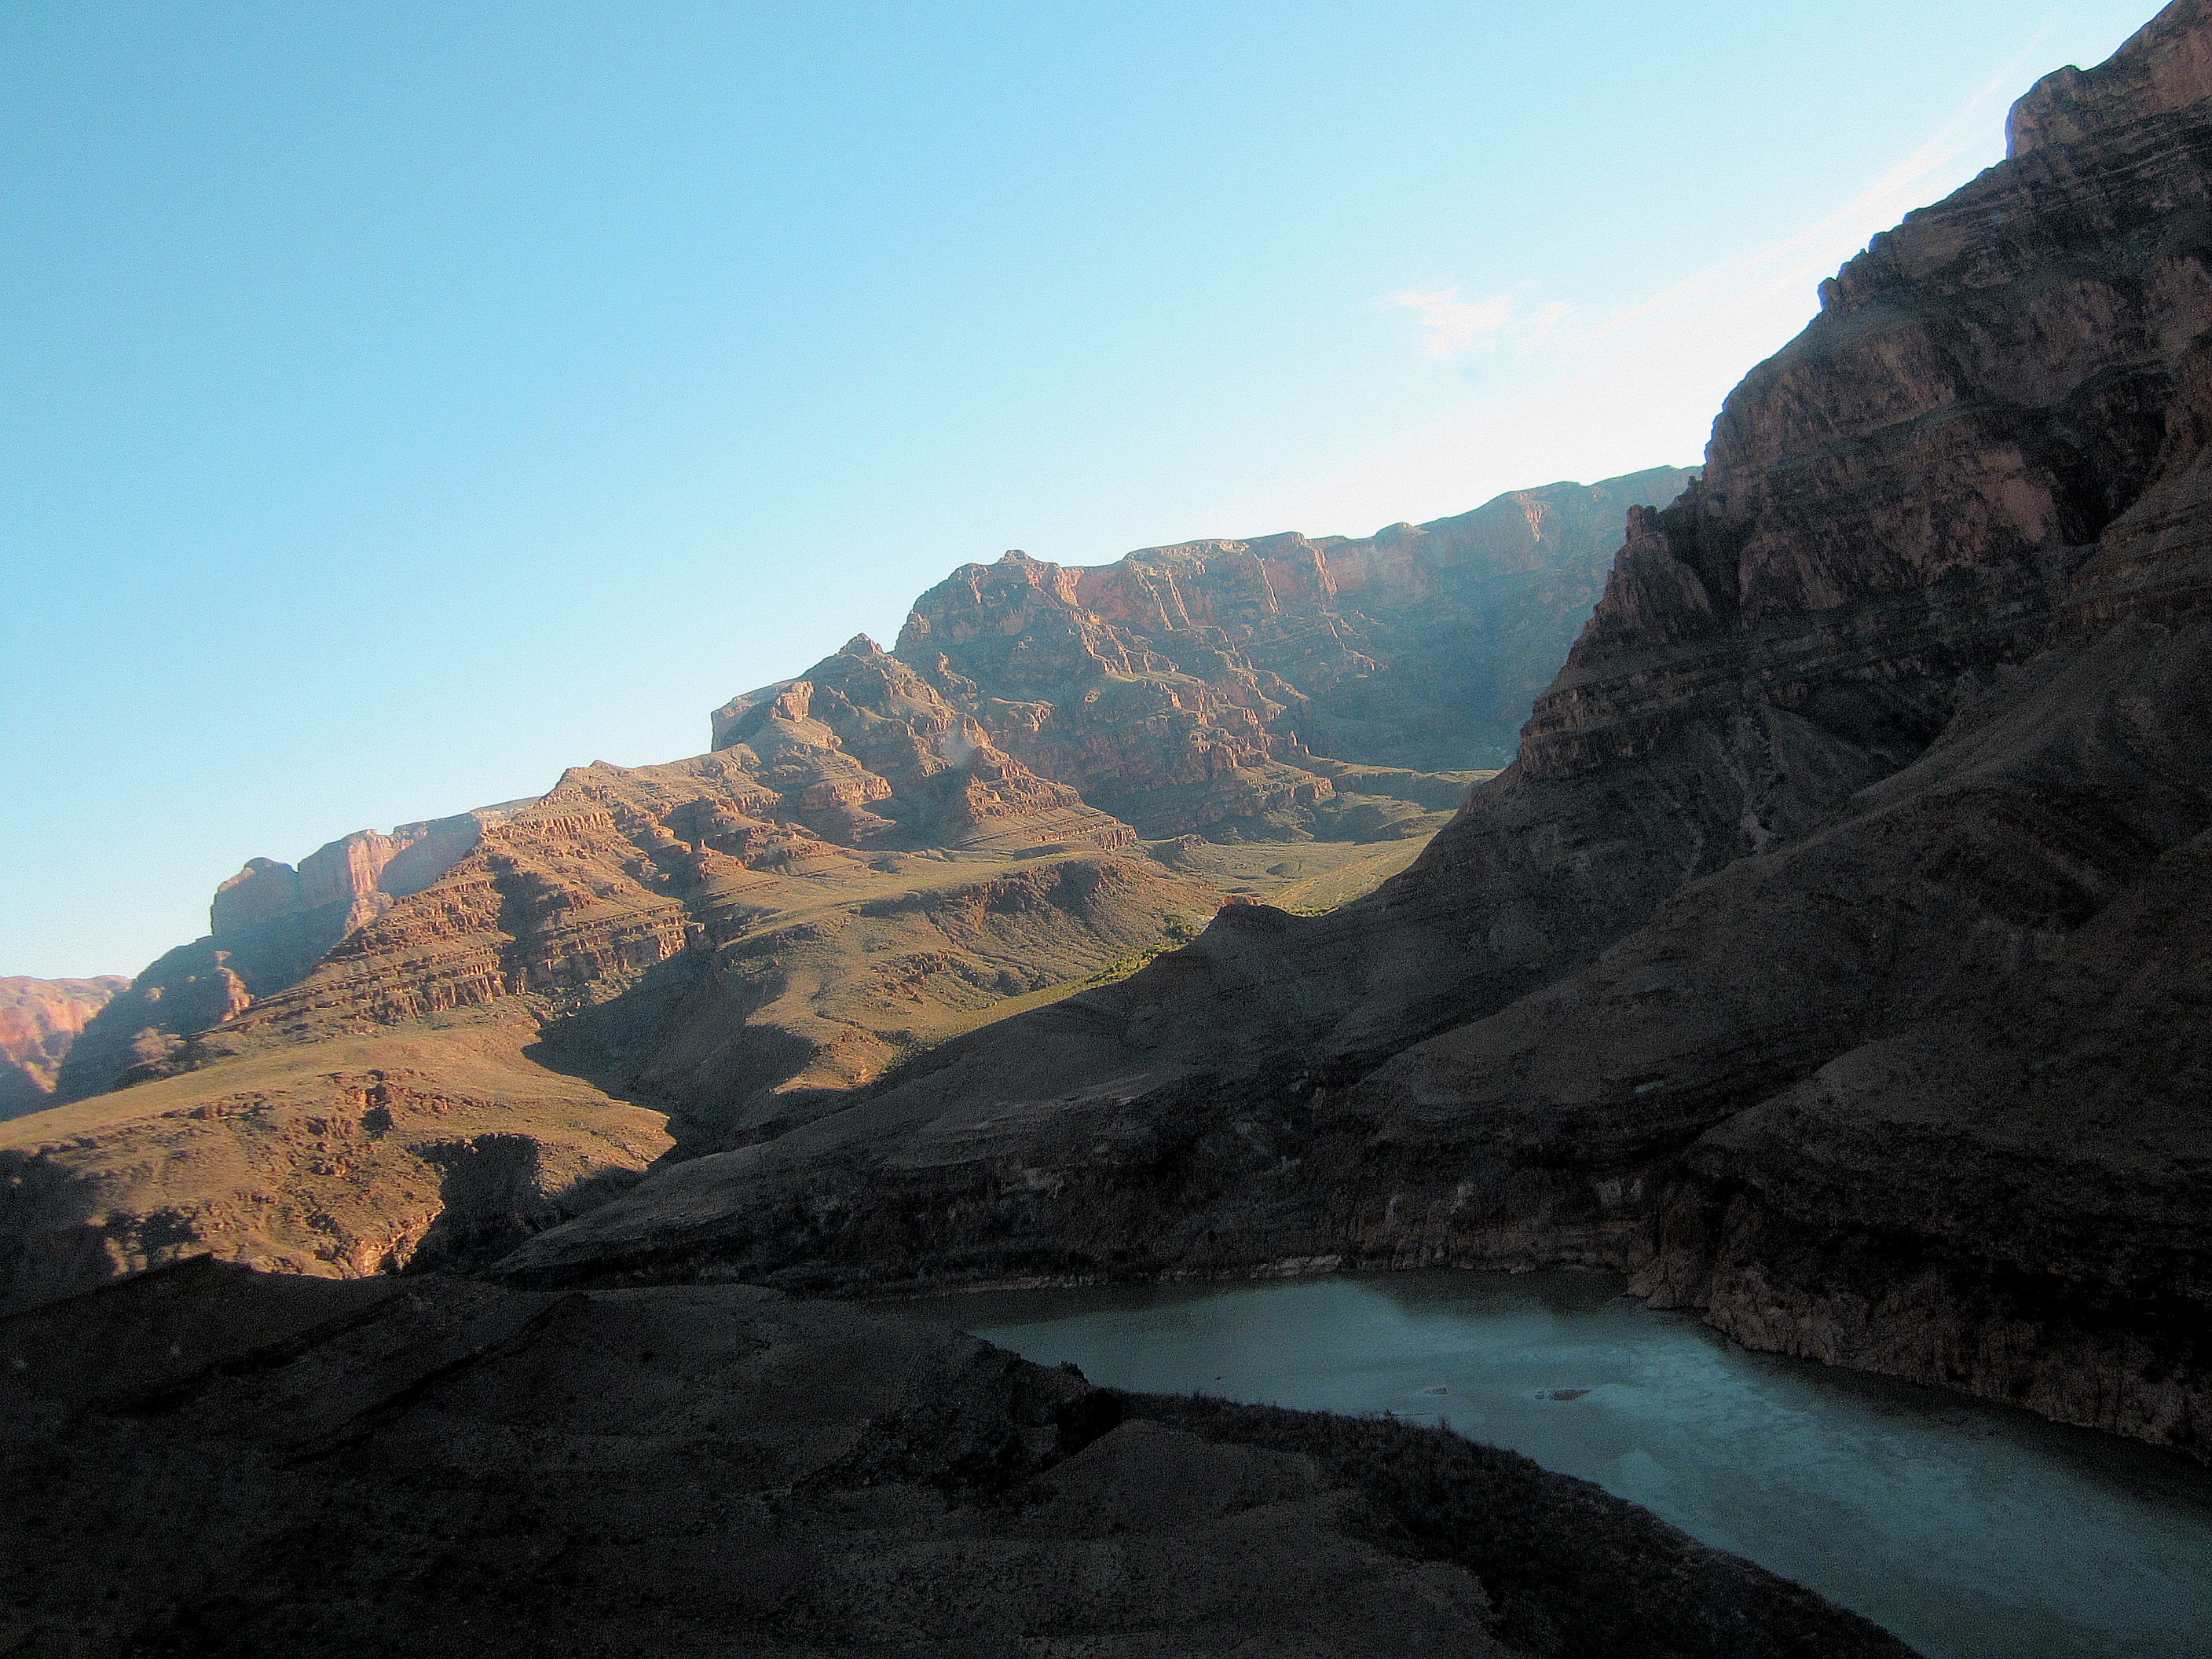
pixel 40 1021
pixel 1826 958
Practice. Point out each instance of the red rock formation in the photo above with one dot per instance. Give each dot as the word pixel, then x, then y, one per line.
pixel 862 728
pixel 674 883
pixel 1193 687
pixel 40 1019
pixel 871 752
pixel 739 937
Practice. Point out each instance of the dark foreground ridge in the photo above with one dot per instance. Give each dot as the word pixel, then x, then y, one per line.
pixel 206 1459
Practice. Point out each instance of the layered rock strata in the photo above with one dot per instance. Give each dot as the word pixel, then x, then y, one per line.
pixel 863 866
pixel 41 1020
pixel 1170 671
pixel 1223 687
pixel 1827 957
pixel 206 1458
pixel 477 1059
pixel 268 925
pixel 647 916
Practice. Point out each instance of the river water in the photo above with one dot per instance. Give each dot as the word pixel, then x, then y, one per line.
pixel 1973 1531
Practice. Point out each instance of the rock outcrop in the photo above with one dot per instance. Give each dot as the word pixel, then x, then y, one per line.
pixel 486 1055
pixel 268 925
pixel 208 1460
pixel 1828 957
pixel 787 914
pixel 40 1021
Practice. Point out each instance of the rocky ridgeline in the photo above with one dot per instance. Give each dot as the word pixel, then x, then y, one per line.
pixel 872 858
pixel 1830 958
pixel 437 1084
pixel 1281 688
pixel 268 925
pixel 1219 685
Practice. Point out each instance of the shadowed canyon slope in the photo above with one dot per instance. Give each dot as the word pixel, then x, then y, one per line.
pixel 886 851
pixel 1831 956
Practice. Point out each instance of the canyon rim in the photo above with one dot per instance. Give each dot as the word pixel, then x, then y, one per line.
pixel 1824 953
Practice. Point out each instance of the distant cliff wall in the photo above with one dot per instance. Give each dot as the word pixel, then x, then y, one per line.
pixel 39 1020
pixel 269 923
pixel 1192 688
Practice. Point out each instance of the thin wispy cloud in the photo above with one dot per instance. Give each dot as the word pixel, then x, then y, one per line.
pixel 1458 326
pixel 1590 391
pixel 1816 250
pixel 1751 279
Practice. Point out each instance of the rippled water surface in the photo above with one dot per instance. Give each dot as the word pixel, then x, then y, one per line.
pixel 1973 1531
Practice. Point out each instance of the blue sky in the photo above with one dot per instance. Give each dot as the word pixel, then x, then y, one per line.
pixel 406 401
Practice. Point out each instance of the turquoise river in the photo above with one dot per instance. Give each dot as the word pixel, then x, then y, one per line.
pixel 1974 1531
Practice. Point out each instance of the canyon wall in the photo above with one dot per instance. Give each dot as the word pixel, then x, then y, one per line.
pixel 1228 687
pixel 1828 957
pixel 890 850
pixel 41 1020
pixel 480 1055
pixel 268 925
pixel 1283 689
